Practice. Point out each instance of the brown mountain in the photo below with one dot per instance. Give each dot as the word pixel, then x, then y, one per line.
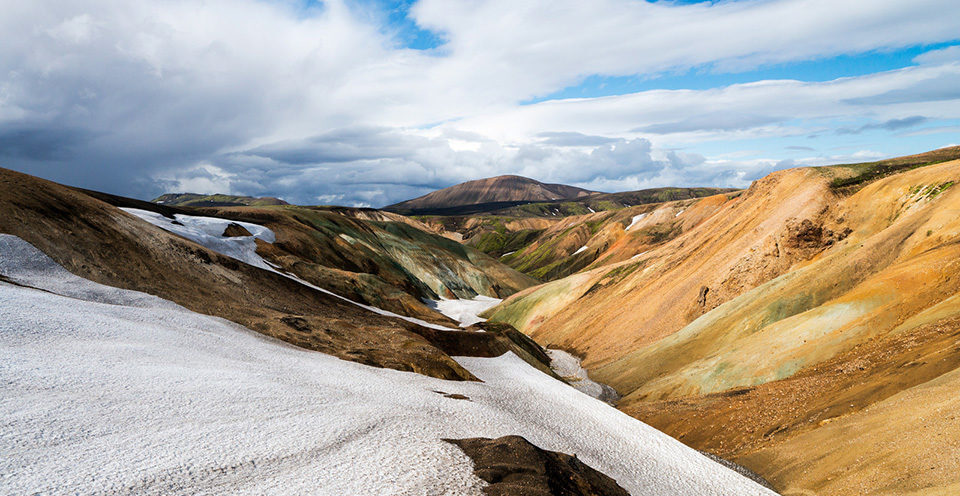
pixel 493 190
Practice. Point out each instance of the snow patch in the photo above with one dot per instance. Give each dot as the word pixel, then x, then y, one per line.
pixel 636 219
pixel 591 210
pixel 208 232
pixel 580 250
pixel 680 212
pixel 105 397
pixel 464 311
pixel 508 253
pixel 568 367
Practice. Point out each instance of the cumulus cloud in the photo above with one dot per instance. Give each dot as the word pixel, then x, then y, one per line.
pixel 306 102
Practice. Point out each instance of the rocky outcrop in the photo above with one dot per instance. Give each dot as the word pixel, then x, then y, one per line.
pixel 512 466
pixel 234 229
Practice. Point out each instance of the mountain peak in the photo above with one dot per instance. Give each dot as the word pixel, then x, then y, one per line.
pixel 498 189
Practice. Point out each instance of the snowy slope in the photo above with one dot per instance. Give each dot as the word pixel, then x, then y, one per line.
pixel 466 312
pixel 108 391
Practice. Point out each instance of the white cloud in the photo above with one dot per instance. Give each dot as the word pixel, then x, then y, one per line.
pixel 944 55
pixel 203 179
pixel 763 108
pixel 262 97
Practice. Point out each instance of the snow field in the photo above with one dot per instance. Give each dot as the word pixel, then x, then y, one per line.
pixel 208 232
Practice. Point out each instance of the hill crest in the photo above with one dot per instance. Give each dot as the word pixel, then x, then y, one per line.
pixel 498 189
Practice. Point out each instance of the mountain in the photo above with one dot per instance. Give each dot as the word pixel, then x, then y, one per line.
pixel 806 328
pixel 500 191
pixel 548 240
pixel 217 200
pixel 248 350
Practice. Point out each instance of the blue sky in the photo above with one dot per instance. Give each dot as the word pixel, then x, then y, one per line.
pixel 369 102
pixel 823 69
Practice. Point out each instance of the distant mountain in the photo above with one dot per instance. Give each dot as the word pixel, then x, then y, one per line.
pixel 198 200
pixel 502 190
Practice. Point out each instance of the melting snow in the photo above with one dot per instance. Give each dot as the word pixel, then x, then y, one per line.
pixel 508 253
pixel 568 367
pixel 112 391
pixel 678 213
pixel 591 210
pixel 636 219
pixel 580 250
pixel 208 231
pixel 464 311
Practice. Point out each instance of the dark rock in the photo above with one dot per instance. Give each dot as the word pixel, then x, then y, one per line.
pixel 515 467
pixel 702 297
pixel 298 324
pixel 233 230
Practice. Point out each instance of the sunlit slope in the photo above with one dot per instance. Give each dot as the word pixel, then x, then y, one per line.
pixel 809 329
pixel 729 247
pixel 552 240
pixel 900 260
pixel 905 445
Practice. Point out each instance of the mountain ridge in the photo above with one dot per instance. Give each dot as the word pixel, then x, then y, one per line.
pixel 215 200
pixel 497 189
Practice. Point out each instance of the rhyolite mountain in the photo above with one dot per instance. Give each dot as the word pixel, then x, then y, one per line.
pixel 807 328
pixel 499 191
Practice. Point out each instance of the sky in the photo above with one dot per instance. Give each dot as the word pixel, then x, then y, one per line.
pixel 371 102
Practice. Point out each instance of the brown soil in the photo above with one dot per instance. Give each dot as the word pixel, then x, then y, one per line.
pixel 739 422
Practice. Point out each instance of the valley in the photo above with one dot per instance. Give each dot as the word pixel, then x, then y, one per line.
pixel 791 328
pixel 479 248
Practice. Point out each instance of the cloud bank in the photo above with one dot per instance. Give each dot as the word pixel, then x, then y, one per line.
pixel 324 102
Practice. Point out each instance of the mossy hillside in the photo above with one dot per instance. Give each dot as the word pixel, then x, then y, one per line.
pixel 215 200
pixel 850 177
